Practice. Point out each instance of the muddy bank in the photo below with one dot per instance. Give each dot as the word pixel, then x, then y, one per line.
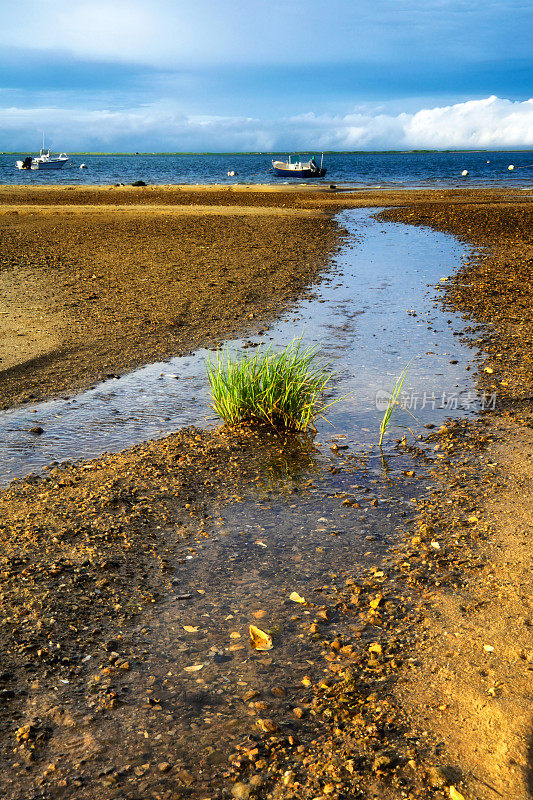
pixel 472 684
pixel 86 551
pixel 92 296
pixel 252 196
pixel 475 672
pixel 96 281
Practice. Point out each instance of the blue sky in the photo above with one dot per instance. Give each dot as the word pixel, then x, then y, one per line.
pixel 261 75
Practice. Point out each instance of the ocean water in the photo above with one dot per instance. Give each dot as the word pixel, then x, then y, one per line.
pixel 398 170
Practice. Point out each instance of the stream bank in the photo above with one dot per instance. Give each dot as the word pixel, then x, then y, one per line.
pixel 90 295
pixel 476 665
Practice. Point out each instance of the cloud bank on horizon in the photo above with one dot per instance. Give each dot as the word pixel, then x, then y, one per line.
pixel 490 123
pixel 196 75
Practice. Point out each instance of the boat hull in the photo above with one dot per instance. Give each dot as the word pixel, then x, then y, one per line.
pixel 59 164
pixel 299 173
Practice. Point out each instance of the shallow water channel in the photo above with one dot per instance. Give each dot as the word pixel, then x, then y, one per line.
pixel 372 314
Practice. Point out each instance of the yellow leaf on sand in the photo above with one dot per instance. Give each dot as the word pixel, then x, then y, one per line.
pixel 375 647
pixel 235 635
pixel 296 598
pixel 190 628
pixel 376 601
pixel 194 668
pixel 259 614
pixel 489 370
pixel 473 519
pixel 455 795
pixel 259 640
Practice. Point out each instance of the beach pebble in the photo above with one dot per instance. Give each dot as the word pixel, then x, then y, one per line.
pixel 241 791
pixel 381 761
pixel 436 777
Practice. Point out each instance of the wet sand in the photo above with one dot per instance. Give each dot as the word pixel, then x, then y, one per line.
pixel 96 281
pixel 119 287
pixel 475 681
pixel 415 704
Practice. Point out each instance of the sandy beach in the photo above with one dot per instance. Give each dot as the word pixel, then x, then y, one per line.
pixel 97 281
pixel 430 697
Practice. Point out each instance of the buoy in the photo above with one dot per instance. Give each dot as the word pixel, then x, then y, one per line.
pixel 464 173
pixel 231 173
pixel 83 166
pixel 510 167
pixel 488 162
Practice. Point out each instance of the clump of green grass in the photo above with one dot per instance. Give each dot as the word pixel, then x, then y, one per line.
pixel 284 389
pixel 392 402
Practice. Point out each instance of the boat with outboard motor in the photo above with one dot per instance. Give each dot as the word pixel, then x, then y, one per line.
pixel 299 169
pixel 45 160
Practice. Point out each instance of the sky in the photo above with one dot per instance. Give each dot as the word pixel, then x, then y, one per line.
pixel 266 75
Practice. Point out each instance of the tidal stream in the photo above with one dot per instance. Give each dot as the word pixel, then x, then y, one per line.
pixel 372 315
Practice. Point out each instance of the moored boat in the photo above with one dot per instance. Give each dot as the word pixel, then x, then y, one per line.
pixel 45 160
pixel 299 169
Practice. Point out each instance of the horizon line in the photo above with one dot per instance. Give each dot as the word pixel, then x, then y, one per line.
pixel 276 152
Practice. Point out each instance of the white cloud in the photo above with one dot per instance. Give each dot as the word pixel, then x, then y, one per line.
pixel 488 123
pixel 491 122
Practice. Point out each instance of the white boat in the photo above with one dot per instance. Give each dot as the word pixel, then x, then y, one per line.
pixel 45 160
pixel 299 169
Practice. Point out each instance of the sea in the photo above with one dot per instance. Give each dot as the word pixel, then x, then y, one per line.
pixel 407 170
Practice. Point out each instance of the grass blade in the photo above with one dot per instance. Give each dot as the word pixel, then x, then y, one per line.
pixel 392 402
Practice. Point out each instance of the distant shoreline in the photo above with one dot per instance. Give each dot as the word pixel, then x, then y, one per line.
pixel 272 152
